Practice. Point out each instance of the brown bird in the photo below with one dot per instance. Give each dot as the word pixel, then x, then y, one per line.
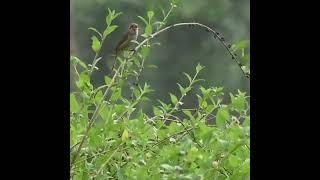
pixel 125 41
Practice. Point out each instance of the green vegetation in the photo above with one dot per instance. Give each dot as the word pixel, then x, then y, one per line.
pixel 113 136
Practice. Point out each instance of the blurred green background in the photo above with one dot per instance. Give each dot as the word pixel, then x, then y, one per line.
pixel 180 50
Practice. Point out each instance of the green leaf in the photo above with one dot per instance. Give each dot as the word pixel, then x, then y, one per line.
pixel 83 64
pixel 167 167
pixel 245 168
pixel 150 15
pixel 74 106
pixel 95 30
pixel 145 51
pixel 159 23
pixel 234 161
pixel 109 30
pixel 241 45
pixel 109 17
pixel 125 135
pixel 188 76
pixel 152 66
pixel 157 111
pixel 95 44
pixel 238 102
pixel 107 80
pixel 188 113
pixel 143 20
pixel 174 99
pixel 115 95
pixel 244 60
pixel 98 97
pixel 148 30
pixel 116 15
pixel 246 122
pixel 187 89
pixel 175 2
pixel 120 108
pixel 199 68
pixel 84 82
pixel 222 117
pixel 136 92
pixel 182 90
pixel 210 108
pixel 77 60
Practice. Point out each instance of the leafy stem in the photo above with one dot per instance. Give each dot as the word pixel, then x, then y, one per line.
pixel 94 116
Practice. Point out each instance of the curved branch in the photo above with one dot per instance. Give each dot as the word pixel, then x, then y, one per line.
pixel 208 29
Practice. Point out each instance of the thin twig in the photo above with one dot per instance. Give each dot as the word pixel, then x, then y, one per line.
pixel 215 34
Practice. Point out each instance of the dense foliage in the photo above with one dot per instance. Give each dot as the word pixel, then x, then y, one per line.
pixel 112 137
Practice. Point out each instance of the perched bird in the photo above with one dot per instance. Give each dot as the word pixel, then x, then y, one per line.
pixel 124 43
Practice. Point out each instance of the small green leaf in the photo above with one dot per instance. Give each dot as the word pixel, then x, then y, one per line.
pixel 157 111
pixel 210 108
pixel 159 23
pixel 74 106
pixel 144 20
pixel 188 76
pixel 98 97
pixel 182 90
pixel 187 90
pixel 174 99
pixel 109 30
pixel 116 15
pixel 167 167
pixel 222 117
pixel 238 102
pixel 136 61
pixel 148 30
pixel 152 66
pixel 146 88
pixel 175 2
pixel 145 51
pixel 188 113
pixel 95 44
pixel 244 60
pixel 234 161
pixel 150 15
pixel 115 95
pixel 77 60
pixel 83 64
pixel 95 30
pixel 119 108
pixel 246 122
pixel 107 80
pixel 136 92
pixel 84 82
pixel 125 135
pixel 111 16
pixel 108 20
pixel 199 68
pixel 241 45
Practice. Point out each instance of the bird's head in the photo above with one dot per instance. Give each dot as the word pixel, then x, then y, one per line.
pixel 133 28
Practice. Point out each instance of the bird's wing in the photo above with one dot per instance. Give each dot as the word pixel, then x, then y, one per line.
pixel 122 42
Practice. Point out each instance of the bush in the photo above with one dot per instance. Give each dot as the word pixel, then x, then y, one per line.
pixel 113 137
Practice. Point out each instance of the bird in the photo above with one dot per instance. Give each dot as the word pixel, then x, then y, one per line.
pixel 125 42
